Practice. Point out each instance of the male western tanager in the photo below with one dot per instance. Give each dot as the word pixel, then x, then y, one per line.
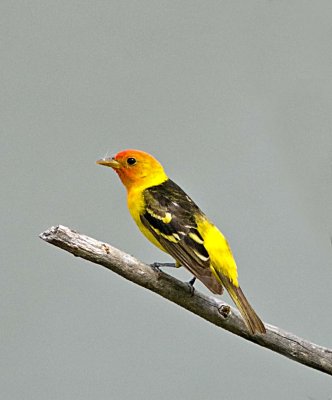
pixel 170 219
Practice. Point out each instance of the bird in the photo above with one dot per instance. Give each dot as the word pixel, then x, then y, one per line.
pixel 173 222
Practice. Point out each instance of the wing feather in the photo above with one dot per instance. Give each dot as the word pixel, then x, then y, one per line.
pixel 170 215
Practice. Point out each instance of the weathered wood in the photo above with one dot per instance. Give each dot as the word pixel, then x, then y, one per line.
pixel 207 307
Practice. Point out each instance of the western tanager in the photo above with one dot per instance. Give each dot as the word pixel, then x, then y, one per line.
pixel 170 219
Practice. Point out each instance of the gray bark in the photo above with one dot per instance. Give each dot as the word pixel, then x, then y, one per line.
pixel 207 307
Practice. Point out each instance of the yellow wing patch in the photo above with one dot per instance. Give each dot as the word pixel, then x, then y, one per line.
pixel 196 238
pixel 166 219
pixel 200 256
pixel 174 237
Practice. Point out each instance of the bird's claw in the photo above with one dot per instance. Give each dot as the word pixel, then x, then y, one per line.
pixel 156 265
pixel 191 285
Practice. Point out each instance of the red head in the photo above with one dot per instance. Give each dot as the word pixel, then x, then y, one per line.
pixel 136 168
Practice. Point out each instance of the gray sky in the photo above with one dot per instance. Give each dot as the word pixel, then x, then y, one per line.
pixel 234 98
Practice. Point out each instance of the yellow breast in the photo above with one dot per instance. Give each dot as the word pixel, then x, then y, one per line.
pixel 136 206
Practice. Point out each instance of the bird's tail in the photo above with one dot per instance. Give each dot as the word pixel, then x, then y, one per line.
pixel 250 317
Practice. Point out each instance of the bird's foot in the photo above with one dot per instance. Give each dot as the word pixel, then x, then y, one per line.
pixel 156 265
pixel 192 281
pixel 191 285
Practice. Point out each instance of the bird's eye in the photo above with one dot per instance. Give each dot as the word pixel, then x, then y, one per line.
pixel 131 160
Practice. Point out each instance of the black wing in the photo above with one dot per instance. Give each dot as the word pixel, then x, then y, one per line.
pixel 170 217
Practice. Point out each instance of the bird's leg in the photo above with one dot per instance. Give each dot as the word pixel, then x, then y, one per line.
pixel 157 265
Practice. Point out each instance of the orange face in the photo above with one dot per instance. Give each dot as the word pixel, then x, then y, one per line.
pixel 135 167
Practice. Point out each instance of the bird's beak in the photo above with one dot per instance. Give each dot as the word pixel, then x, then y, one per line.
pixel 109 162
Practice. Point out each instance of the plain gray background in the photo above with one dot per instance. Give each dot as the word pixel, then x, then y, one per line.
pixel 234 98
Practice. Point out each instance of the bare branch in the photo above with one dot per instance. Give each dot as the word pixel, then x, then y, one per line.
pixel 207 307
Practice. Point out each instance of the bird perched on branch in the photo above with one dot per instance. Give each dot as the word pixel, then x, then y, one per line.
pixel 170 219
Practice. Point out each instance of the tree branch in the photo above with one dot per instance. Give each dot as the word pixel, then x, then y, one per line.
pixel 207 307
